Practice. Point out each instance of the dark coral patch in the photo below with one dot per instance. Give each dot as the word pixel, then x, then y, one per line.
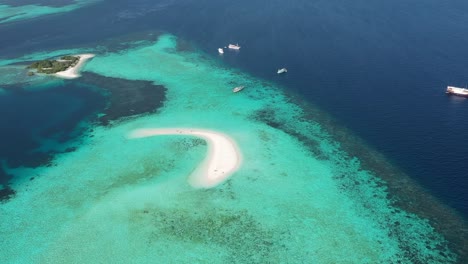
pixel 125 97
pixel 269 117
pixel 245 239
pixel 6 193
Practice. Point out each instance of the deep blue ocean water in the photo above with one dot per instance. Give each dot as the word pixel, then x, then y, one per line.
pixel 379 67
pixel 42 120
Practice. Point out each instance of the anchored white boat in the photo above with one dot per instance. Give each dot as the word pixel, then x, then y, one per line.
pixel 221 51
pixel 451 90
pixel 283 70
pixel 234 47
pixel 238 89
pixel 457 91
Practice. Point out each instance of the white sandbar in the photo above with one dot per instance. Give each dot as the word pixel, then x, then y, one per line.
pixel 74 72
pixel 223 157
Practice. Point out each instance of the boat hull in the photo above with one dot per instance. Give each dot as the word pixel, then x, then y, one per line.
pixel 462 92
pixel 238 89
pixel 234 47
pixel 457 94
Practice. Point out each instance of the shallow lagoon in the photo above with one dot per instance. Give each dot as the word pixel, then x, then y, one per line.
pixel 298 196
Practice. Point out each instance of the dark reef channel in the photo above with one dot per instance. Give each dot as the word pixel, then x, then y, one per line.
pixel 39 123
pixel 403 192
pixel 126 98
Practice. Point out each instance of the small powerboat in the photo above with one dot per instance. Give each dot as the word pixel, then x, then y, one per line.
pixel 234 47
pixel 238 89
pixel 221 51
pixel 451 90
pixel 283 70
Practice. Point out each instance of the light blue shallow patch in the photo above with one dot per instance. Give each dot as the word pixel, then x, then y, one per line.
pixel 15 13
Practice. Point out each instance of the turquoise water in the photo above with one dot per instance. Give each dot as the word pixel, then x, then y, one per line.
pixel 22 12
pixel 117 200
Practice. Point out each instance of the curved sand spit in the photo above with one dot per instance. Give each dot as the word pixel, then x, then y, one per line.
pixel 74 72
pixel 222 160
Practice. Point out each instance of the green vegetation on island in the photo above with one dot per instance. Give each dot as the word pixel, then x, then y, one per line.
pixel 54 66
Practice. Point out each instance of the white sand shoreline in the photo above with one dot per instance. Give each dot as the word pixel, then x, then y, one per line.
pixel 74 72
pixel 223 159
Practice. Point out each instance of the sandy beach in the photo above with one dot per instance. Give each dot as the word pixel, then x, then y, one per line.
pixel 223 157
pixel 74 72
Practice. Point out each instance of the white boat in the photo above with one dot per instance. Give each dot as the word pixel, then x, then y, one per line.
pixel 451 90
pixel 221 51
pixel 283 70
pixel 238 89
pixel 234 47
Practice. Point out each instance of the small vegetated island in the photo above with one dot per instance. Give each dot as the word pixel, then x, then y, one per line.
pixel 54 66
